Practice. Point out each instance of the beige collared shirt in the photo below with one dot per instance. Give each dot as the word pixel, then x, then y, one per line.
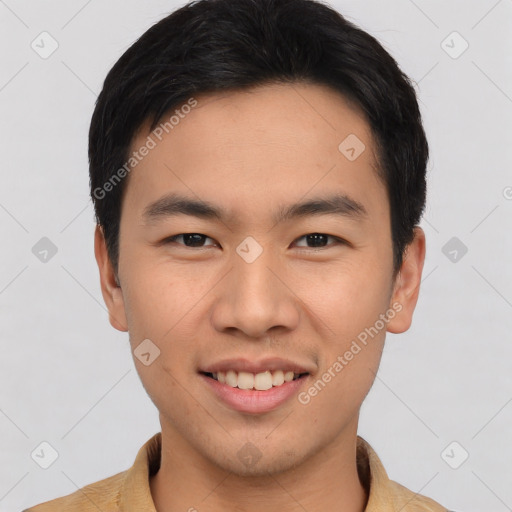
pixel 129 490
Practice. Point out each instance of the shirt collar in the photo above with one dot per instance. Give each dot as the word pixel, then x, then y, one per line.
pixel 136 493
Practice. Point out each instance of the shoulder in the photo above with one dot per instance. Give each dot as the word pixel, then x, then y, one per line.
pixel 407 501
pixel 102 495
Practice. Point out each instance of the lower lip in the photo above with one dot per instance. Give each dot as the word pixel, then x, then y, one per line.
pixel 252 400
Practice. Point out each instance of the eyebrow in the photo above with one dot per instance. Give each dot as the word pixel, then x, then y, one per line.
pixel 175 204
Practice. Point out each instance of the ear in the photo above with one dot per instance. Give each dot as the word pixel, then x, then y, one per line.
pixel 407 283
pixel 110 289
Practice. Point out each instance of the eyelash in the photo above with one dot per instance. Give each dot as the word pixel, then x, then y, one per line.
pixel 339 241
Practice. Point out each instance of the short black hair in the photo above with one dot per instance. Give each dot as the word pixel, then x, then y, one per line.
pixel 210 46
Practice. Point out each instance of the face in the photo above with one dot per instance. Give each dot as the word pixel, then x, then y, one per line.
pixel 244 282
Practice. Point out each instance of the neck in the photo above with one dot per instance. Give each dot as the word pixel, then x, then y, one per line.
pixel 328 480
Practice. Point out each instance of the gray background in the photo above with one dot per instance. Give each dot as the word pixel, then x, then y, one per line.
pixel 68 378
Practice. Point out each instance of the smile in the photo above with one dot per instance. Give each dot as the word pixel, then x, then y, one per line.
pixel 240 390
pixel 254 381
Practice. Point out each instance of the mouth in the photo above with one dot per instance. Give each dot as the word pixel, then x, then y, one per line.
pixel 248 381
pixel 255 386
pixel 254 393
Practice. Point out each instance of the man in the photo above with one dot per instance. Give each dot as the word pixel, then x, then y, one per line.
pixel 258 174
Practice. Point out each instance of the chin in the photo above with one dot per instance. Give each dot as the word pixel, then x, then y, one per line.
pixel 260 465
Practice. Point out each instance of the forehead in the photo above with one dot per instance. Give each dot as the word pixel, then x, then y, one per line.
pixel 261 147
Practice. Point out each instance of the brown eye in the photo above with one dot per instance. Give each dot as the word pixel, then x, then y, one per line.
pixel 189 239
pixel 319 240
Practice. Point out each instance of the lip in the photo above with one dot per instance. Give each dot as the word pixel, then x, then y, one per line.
pixel 254 401
pixel 251 366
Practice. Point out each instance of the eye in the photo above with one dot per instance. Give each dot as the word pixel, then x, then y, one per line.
pixel 189 239
pixel 196 240
pixel 319 240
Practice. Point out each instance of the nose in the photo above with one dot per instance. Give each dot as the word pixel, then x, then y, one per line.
pixel 255 298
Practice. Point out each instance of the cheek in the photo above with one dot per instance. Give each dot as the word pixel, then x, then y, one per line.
pixel 350 304
pixel 155 300
pixel 348 297
pixel 160 306
pixel 334 395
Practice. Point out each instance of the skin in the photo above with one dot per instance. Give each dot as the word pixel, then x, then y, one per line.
pixel 250 152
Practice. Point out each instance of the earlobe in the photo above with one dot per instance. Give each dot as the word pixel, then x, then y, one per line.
pixel 407 284
pixel 110 287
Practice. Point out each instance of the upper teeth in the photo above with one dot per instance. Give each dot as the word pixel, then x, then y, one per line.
pixel 259 381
